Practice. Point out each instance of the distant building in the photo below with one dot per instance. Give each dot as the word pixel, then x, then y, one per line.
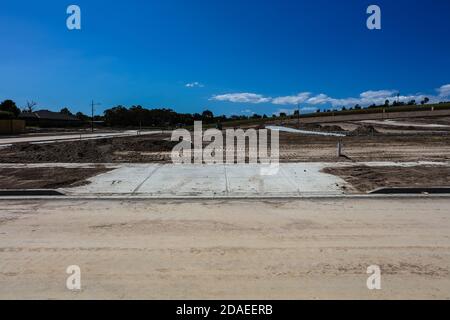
pixel 46 118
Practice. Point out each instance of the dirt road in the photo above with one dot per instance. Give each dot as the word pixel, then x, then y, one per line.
pixel 232 249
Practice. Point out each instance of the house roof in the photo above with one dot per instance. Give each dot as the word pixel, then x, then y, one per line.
pixel 47 115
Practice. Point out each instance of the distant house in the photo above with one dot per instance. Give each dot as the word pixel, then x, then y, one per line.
pixel 46 118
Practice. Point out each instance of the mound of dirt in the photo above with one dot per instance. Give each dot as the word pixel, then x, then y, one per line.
pixel 332 128
pixel 365 130
pixel 128 149
pixel 46 178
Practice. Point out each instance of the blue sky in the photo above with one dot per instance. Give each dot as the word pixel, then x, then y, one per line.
pixel 232 57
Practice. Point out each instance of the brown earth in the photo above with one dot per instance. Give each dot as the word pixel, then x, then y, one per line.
pixel 129 149
pixel 46 178
pixel 378 147
pixel 367 146
pixel 364 178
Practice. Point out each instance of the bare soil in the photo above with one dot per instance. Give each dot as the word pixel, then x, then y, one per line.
pixel 301 249
pixel 364 178
pixel 364 144
pixel 46 178
pixel 363 148
pixel 113 150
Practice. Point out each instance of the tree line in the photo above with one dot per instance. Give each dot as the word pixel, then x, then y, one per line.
pixel 136 116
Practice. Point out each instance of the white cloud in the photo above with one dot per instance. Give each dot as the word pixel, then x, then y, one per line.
pixel 367 98
pixel 244 97
pixel 378 98
pixel 319 99
pixel 247 111
pixel 299 98
pixel 444 91
pixel 194 85
pixel 377 94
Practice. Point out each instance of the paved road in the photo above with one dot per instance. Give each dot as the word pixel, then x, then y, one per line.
pixel 300 249
pixel 71 137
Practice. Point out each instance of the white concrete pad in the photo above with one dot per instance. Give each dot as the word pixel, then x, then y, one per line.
pixel 124 180
pixel 170 180
pixel 316 133
pixel 186 180
pixel 247 180
pixel 310 180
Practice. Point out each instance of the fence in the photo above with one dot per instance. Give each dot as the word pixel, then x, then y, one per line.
pixel 12 126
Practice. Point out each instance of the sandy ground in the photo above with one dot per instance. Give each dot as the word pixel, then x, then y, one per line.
pixel 311 249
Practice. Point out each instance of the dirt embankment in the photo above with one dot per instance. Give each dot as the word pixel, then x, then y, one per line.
pixel 365 179
pixel 134 149
pixel 46 178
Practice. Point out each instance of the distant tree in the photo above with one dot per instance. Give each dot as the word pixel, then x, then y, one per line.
pixel 10 106
pixel 344 109
pixel 66 111
pixel 296 113
pixel 6 115
pixel 264 116
pixel 425 101
pixel 318 111
pixel 412 103
pixel 357 107
pixel 81 116
pixel 207 114
pixel 386 103
pixel 30 106
pixel 283 114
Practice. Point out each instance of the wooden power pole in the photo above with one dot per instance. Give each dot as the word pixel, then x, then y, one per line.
pixel 92 114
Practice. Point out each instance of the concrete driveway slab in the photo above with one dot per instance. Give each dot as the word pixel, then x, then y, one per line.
pixel 246 180
pixel 186 180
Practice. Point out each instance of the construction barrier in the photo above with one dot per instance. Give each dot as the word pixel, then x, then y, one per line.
pixel 12 126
